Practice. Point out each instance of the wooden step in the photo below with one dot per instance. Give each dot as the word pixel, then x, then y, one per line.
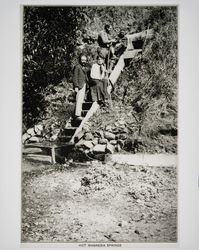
pixel 40 158
pixel 47 145
pixel 84 112
pixel 65 138
pixel 33 150
pixel 69 131
pixel 87 105
pixel 56 152
pixel 75 123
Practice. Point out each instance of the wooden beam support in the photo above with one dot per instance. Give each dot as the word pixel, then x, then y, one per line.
pixel 91 111
pixel 53 155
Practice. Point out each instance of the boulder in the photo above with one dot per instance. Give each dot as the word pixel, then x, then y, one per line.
pixel 25 137
pixel 88 136
pixel 121 143
pixel 110 148
pixel 115 129
pixel 95 141
pixel 33 139
pixel 38 129
pixel 31 131
pixel 118 148
pixel 86 127
pixel 100 134
pixel 113 142
pixel 108 128
pixel 99 148
pixel 88 144
pixel 80 143
pixel 103 141
pixel 109 135
pixel 122 136
pixel 121 122
pixel 124 130
pixel 122 126
pixel 39 132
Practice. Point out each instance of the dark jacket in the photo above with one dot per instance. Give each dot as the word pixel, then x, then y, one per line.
pixel 104 39
pixel 80 76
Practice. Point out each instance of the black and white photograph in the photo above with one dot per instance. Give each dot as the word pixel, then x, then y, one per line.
pixel 99 124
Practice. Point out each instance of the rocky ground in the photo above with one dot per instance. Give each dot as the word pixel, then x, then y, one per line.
pixel 98 202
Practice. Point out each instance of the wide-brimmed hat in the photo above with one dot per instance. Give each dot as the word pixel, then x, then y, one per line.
pixel 101 55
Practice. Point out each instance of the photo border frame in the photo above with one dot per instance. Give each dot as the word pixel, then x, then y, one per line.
pixel 11 98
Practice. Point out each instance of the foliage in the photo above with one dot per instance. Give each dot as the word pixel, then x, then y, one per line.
pixel 55 36
pixel 150 82
pixel 48 48
pixel 58 108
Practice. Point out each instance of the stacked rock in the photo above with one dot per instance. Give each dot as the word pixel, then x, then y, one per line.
pixel 33 135
pixel 40 133
pixel 112 138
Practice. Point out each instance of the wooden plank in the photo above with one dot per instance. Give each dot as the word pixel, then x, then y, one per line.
pixel 113 78
pixel 146 34
pixel 131 53
pixel 53 156
pixel 42 158
pixel 65 138
pixel 116 71
pixel 46 145
pixel 91 111
pixel 31 150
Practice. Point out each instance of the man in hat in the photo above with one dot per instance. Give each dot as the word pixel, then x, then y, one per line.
pixel 80 80
pixel 121 43
pixel 104 37
pixel 106 42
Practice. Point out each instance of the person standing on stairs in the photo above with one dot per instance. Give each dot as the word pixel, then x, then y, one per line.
pixel 106 48
pixel 99 82
pixel 80 81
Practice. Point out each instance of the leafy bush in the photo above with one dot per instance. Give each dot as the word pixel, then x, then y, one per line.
pixel 150 82
pixel 55 36
pixel 48 48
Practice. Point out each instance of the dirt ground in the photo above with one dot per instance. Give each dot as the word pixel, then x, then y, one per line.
pixel 98 202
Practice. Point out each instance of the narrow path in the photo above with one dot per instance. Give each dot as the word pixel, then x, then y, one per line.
pixel 155 160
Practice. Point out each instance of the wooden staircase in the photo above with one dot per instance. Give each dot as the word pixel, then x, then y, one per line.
pixel 47 152
pixel 57 151
pixel 69 132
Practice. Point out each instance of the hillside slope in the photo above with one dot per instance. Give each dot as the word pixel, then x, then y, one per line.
pixel 146 92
